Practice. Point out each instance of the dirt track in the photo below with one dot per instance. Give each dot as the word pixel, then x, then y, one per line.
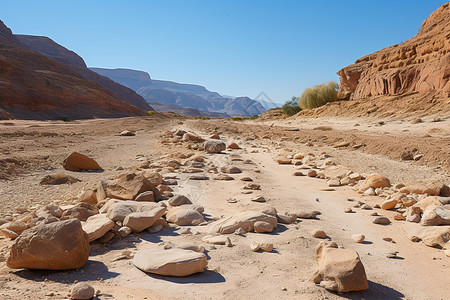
pixel 235 272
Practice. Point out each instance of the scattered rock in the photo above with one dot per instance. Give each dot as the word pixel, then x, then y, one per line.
pixel 339 270
pixel 312 173
pixel 78 162
pixel 126 187
pixel 127 133
pixel 258 199
pixel 374 181
pixel 214 146
pixel 139 221
pixel 179 200
pixel 359 238
pixel 437 216
pixel 267 247
pixel 82 291
pixel 171 262
pixel 147 196
pixel 261 226
pixel 392 254
pixel 244 220
pixel 381 221
pixel 307 214
pixel 233 146
pixel 182 216
pixel 317 233
pixel 389 204
pixel 57 179
pixel 230 170
pixel 124 231
pixel 252 186
pixel 215 239
pixel 97 226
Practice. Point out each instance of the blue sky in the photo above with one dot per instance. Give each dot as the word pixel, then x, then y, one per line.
pixel 238 48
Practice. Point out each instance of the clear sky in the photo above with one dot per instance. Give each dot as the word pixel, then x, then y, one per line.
pixel 238 48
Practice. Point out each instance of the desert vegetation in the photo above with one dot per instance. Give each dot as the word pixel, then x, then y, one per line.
pixel 291 107
pixel 318 96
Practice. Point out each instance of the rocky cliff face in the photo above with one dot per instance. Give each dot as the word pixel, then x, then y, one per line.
pixel 72 60
pixel 33 86
pixel 421 64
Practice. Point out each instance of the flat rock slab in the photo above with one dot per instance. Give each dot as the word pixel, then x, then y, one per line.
pixel 170 262
pixel 96 226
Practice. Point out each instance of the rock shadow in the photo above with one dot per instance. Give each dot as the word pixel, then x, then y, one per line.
pixel 156 237
pixel 207 276
pixel 376 291
pixel 89 272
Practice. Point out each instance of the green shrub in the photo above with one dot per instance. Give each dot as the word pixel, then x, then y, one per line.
pixel 152 112
pixel 239 118
pixel 318 96
pixel 254 117
pixel 291 107
pixel 201 118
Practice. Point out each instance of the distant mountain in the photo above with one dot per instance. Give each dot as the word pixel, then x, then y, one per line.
pixel 70 59
pixel 34 86
pixel 174 94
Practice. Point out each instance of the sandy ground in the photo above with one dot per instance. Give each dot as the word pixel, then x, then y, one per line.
pixel 420 272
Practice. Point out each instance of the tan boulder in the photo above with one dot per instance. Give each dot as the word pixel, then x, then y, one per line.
pixel 59 245
pixel 126 187
pixel 96 226
pixel 339 270
pixel 81 211
pixel 170 262
pixel 88 197
pixel 179 200
pixel 184 216
pixel 244 220
pixel 78 162
pixel 15 226
pixel 214 146
pixel 82 291
pixel 389 204
pixel 374 181
pixel 261 227
pixel 139 221
pixel 118 211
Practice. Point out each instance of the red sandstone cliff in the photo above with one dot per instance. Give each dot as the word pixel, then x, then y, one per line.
pixel 33 86
pixel 421 64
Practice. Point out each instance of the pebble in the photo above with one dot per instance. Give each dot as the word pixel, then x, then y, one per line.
pixel 382 221
pixel 359 238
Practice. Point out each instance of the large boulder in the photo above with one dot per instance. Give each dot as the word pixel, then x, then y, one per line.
pixel 96 226
pixel 178 200
pixel 374 181
pixel 61 245
pixel 139 221
pixel 437 216
pixel 170 262
pixel 215 146
pixel 340 270
pixel 184 216
pixel 78 162
pixel 126 187
pixel 244 220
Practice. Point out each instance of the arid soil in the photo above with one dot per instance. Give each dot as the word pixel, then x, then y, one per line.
pixel 29 150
